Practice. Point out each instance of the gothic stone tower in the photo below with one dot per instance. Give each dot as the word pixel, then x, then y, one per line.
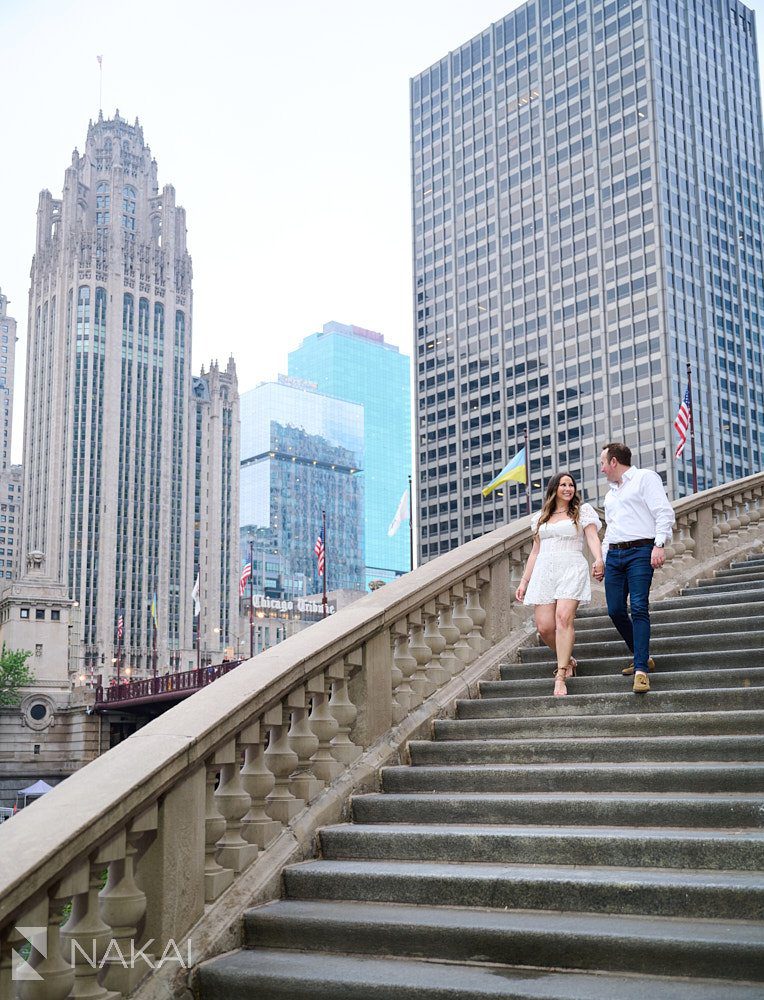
pixel 106 424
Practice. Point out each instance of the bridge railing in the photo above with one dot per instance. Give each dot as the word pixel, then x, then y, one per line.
pixel 177 812
pixel 164 686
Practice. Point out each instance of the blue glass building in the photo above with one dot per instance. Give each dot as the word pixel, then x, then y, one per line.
pixel 302 452
pixel 587 218
pixel 356 364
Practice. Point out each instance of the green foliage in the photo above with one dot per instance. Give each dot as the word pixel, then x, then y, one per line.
pixel 14 674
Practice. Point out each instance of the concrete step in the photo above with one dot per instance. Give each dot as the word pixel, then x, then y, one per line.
pixel 751 561
pixel 658 946
pixel 292 975
pixel 663 679
pixel 591 750
pixel 643 846
pixel 748 621
pixel 741 569
pixel 714 895
pixel 679 618
pixel 626 703
pixel 715 642
pixel 750 577
pixel 657 809
pixel 719 588
pixel 704 777
pixel 703 598
pixel 635 726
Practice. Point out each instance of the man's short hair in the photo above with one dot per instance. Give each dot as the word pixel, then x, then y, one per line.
pixel 620 452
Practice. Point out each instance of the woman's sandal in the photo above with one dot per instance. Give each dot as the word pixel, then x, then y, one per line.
pixel 560 689
pixel 570 670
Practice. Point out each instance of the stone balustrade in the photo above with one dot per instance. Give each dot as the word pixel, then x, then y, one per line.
pixel 125 855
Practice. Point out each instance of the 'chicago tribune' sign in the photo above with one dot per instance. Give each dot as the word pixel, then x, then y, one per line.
pixel 300 605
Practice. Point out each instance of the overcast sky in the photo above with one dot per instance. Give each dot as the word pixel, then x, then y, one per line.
pixel 283 126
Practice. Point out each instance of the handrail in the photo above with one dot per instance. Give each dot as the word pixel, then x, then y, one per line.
pixel 236 763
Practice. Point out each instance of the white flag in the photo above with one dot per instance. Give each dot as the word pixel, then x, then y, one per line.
pixel 195 597
pixel 401 515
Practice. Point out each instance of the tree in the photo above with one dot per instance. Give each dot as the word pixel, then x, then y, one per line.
pixel 14 674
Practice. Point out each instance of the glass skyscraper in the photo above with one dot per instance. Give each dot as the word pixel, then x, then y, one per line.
pixel 302 452
pixel 356 364
pixel 587 185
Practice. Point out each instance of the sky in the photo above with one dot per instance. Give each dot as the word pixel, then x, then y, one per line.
pixel 284 128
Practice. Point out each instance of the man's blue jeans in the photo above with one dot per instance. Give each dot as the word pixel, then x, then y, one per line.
pixel 628 573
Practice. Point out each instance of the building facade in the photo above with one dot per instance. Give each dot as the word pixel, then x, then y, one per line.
pixel 107 410
pixel 586 220
pixel 10 475
pixel 356 364
pixel 215 426
pixel 302 452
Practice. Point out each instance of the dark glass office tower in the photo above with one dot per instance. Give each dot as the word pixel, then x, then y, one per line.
pixel 587 183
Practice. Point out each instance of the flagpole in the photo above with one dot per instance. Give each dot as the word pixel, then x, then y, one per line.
pixel 119 648
pixel 251 598
pixel 154 619
pixel 527 472
pixel 199 621
pixel 692 430
pixel 411 526
pixel 326 560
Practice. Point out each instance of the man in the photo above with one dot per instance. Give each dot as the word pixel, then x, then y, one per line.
pixel 639 521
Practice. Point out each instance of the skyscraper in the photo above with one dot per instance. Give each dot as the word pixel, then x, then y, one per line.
pixel 356 364
pixel 587 219
pixel 215 423
pixel 106 425
pixel 301 453
pixel 10 475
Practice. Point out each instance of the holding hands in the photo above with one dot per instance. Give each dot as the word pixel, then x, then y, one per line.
pixel 598 570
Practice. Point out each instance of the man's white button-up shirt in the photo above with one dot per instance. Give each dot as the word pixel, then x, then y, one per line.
pixel 637 507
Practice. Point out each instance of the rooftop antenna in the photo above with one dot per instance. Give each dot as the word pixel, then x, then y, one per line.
pixel 100 82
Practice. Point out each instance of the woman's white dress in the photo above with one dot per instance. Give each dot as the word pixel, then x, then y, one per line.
pixel 561 571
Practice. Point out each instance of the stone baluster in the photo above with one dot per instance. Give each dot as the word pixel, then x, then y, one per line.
pixel 754 511
pixel 721 528
pixel 436 673
pixel 405 694
pixel 463 622
pixel 400 700
pixel 85 933
pixel 344 711
pixel 216 877
pixel 477 614
pixel 448 659
pixel 282 760
pixel 257 827
pixel 10 940
pixel 420 683
pixel 304 743
pixel 326 727
pixel 233 803
pixel 48 974
pixel 744 513
pixel 123 907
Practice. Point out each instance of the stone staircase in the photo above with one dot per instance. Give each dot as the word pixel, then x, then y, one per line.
pixel 603 846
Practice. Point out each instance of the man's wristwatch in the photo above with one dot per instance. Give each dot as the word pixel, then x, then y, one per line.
pixel 660 545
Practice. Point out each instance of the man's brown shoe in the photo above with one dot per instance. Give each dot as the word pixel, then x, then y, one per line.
pixel 641 682
pixel 628 671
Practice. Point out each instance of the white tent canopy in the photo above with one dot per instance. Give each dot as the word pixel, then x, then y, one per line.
pixel 38 788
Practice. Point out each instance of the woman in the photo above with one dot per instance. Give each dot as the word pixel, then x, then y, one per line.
pixel 556 577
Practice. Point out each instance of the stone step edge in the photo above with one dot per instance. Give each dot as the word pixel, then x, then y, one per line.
pixel 434 980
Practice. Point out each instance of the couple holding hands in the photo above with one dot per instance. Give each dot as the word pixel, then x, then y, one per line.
pixel 639 520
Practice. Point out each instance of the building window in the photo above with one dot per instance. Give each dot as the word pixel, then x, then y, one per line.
pixel 24 613
pixel 39 614
pixel 55 615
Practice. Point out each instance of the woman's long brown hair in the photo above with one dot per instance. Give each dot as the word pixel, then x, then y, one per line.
pixel 550 500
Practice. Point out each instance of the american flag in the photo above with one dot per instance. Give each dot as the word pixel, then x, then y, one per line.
pixel 246 573
pixel 320 551
pixel 120 626
pixel 682 422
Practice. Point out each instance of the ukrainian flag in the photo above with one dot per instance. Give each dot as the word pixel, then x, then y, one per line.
pixel 154 608
pixel 513 471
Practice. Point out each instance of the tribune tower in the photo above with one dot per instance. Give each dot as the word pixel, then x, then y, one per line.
pixel 106 423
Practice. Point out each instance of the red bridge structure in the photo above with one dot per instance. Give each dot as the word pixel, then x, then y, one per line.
pixel 170 687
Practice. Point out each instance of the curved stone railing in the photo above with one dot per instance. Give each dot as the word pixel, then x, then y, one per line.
pixel 178 812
